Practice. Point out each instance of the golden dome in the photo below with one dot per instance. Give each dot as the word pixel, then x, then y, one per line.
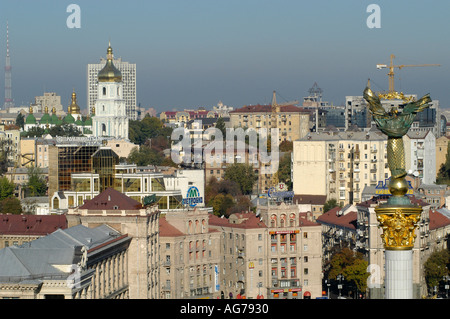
pixel 109 73
pixel 74 108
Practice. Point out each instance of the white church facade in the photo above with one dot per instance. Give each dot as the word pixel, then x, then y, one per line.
pixel 110 118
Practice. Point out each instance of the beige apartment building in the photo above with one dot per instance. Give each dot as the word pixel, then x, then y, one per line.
pixel 339 164
pixel 292 121
pixel 215 165
pixel 128 217
pixel 441 151
pixel 35 151
pixel 273 254
pixel 294 253
pixel 189 255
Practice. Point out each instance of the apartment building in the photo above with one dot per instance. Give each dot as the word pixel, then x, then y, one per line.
pixel 339 164
pixel 441 151
pixel 420 155
pixel 294 242
pixel 243 255
pixel 189 255
pixel 139 224
pixel 216 161
pixel 292 121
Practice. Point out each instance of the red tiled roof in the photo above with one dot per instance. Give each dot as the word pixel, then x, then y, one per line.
pixel 310 199
pixel 330 217
pixel 250 221
pixel 167 230
pixel 267 108
pixel 37 225
pixel 437 220
pixel 110 199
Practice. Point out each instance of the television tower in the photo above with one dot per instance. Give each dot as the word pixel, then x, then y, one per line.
pixel 8 96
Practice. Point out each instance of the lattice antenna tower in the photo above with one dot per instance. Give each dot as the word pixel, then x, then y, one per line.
pixel 8 87
pixel 316 91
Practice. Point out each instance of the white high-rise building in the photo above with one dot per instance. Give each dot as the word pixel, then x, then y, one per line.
pixel 109 113
pixel 128 71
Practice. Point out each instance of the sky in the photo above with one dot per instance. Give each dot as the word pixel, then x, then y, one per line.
pixel 195 53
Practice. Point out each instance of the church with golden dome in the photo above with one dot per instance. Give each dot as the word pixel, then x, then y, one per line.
pixel 107 118
pixel 110 118
pixel 73 117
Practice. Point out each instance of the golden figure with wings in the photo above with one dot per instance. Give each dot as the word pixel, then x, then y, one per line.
pixel 395 124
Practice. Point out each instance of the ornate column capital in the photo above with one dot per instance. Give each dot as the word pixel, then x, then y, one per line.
pixel 398 224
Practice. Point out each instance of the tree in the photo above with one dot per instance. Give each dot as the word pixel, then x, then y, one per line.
pixel 11 205
pixel 35 131
pixel 443 175
pixel 286 146
pixel 64 130
pixel 352 266
pixel 5 152
pixel 220 124
pixel 221 203
pixel 20 120
pixel 243 174
pixel 144 156
pixel 37 185
pixel 436 267
pixel 6 188
pixel 284 170
pixel 148 128
pixel 330 204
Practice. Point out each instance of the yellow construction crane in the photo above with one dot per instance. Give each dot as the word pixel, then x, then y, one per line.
pixel 391 70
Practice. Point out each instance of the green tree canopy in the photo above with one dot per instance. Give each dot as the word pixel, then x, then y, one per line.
pixel 220 124
pixel 436 267
pixel 37 185
pixel 6 188
pixel 20 120
pixel 330 204
pixel 243 174
pixel 148 128
pixel 284 170
pixel 352 266
pixel 11 205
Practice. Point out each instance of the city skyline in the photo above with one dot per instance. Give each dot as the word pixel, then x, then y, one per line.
pixel 197 53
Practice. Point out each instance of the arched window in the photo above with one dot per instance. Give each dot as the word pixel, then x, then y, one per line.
pixel 103 128
pixel 104 91
pixel 56 203
pixel 273 221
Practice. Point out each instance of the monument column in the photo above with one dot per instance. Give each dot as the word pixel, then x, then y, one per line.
pixel 398 217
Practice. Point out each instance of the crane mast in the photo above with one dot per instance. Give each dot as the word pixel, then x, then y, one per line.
pixel 391 70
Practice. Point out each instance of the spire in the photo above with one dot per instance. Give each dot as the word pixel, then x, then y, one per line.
pixel 109 73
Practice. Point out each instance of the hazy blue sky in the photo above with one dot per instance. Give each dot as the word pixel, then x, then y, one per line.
pixel 192 53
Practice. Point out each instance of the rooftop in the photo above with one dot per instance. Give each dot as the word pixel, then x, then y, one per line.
pixel 258 108
pixel 36 225
pixel 110 199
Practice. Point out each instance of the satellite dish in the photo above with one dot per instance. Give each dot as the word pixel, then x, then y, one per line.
pixel 416 173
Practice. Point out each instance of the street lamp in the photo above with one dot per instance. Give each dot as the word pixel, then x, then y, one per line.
pixel 328 288
pixel 340 278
